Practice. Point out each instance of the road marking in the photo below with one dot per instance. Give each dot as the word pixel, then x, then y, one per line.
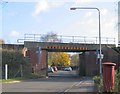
pixel 70 87
pixel 79 83
pixel 75 84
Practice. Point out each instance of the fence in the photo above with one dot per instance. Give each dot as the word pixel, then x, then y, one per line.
pixel 68 39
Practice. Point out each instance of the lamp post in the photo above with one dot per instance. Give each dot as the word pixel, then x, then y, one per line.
pixel 100 52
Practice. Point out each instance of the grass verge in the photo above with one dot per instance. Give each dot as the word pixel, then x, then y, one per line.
pixel 32 76
pixel 12 79
pixel 99 84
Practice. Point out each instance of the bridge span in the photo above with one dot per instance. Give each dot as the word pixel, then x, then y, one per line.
pixel 38 53
pixel 64 47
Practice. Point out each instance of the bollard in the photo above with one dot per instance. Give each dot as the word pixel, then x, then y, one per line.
pixel 108 76
pixel 6 71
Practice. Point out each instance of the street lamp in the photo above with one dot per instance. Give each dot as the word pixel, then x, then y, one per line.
pixel 100 52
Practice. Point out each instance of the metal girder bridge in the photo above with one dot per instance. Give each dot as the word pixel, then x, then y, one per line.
pixel 64 47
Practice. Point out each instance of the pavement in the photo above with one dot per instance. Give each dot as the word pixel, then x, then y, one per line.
pixel 52 85
pixel 86 85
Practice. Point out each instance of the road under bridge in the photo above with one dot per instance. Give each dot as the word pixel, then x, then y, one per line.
pixel 38 52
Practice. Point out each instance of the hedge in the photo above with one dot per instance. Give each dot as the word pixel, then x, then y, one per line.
pixel 15 59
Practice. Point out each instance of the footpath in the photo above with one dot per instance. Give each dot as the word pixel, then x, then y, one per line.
pixel 85 86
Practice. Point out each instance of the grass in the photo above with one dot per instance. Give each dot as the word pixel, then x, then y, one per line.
pixel 99 85
pixel 32 76
pixel 12 79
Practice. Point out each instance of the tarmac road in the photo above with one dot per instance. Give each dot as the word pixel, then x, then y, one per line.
pixel 54 83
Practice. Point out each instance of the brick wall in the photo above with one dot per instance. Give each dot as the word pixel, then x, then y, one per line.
pixel 12 46
pixel 82 64
pixel 88 64
pixel 91 67
pixel 39 68
pixel 111 56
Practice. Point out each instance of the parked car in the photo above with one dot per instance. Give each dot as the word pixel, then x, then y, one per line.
pixel 67 69
pixel 55 68
pixel 50 69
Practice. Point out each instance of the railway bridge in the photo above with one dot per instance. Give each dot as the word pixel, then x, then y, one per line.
pixel 38 50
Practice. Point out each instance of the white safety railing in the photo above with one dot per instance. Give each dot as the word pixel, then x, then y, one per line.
pixel 68 39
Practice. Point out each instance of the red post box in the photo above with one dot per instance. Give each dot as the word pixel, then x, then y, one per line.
pixel 108 76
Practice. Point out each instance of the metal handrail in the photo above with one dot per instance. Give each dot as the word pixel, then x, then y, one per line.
pixel 68 39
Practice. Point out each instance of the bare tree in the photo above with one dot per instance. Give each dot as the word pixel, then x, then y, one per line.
pixel 50 37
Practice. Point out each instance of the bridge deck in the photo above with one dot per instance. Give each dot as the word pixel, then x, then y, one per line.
pixel 64 47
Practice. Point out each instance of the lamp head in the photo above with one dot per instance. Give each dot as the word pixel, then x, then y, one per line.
pixel 73 8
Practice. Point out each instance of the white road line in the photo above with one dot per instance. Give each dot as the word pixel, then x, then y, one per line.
pixel 70 87
pixel 75 84
pixel 79 83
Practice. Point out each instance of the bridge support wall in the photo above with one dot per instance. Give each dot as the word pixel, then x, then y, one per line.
pixel 39 68
pixel 82 65
pixel 111 55
pixel 88 66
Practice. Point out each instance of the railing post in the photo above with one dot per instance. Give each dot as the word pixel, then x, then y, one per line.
pixel 72 39
pixel 34 37
pixel 84 39
pixel 96 40
pixel 114 40
pixel 61 38
pixel 40 38
pixel 107 40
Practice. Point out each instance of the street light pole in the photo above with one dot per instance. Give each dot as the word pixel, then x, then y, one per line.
pixel 100 52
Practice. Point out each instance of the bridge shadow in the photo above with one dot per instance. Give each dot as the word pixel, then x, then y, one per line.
pixel 60 76
pixel 58 79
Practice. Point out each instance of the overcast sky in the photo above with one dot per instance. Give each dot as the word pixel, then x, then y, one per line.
pixel 28 16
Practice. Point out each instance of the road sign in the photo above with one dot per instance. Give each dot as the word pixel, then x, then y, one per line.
pixel 100 55
pixel 39 50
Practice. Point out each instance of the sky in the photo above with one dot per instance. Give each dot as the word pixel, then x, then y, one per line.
pixel 19 17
